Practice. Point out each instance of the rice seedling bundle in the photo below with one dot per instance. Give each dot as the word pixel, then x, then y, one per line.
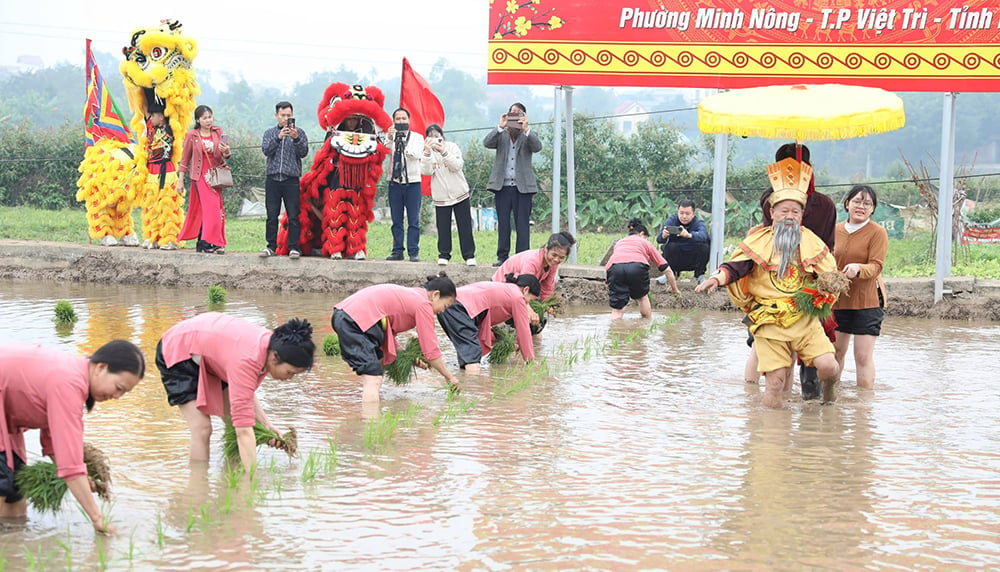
pixel 504 345
pixel 401 370
pixel 289 442
pixel 331 345
pixel 45 491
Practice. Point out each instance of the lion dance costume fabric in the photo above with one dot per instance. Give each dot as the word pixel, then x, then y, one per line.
pixel 115 177
pixel 338 193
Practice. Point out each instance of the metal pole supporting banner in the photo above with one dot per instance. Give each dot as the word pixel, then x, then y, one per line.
pixel 556 159
pixel 946 196
pixel 719 200
pixel 570 172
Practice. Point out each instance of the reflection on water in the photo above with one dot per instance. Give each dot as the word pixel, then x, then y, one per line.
pixel 640 448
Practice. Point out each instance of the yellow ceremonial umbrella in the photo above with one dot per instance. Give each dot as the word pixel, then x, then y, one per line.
pixel 802 112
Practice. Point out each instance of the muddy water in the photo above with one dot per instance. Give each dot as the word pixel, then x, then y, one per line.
pixel 640 448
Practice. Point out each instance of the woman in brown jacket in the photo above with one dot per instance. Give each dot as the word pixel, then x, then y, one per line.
pixel 861 245
pixel 205 147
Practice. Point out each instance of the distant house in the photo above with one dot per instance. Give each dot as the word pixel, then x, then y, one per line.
pixel 628 116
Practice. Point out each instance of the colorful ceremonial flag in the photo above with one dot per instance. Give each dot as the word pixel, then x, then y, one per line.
pixel 101 117
pixel 416 96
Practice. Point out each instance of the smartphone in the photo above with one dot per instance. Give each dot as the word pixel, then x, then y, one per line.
pixel 674 229
pixel 290 123
pixel 224 139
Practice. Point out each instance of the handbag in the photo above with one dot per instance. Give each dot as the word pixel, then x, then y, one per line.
pixel 219 177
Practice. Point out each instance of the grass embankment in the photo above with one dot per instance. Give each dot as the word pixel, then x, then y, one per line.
pixel 907 257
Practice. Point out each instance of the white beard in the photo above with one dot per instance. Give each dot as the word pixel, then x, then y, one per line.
pixel 787 236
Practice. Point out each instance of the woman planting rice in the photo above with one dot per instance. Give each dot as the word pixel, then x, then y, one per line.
pixel 43 388
pixel 212 364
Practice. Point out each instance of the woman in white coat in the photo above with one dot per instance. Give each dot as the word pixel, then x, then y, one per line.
pixel 442 160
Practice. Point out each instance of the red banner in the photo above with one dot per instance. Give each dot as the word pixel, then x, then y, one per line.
pixel 900 45
pixel 981 235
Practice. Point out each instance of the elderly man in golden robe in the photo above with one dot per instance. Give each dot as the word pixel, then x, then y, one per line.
pixel 768 269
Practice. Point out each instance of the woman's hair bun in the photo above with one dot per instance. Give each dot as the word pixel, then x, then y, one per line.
pixel 294 331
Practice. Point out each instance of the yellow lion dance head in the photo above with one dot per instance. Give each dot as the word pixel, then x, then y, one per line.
pixel 157 75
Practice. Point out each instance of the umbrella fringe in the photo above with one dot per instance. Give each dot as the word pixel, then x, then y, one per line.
pixel 804 133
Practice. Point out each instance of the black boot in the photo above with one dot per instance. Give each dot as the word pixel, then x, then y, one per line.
pixel 809 380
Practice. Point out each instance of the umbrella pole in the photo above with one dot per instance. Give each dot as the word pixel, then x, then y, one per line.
pixel 719 200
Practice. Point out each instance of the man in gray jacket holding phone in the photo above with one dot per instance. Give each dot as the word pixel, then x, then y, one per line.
pixel 513 178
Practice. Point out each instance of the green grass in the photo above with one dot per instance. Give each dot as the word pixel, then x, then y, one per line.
pixel 907 257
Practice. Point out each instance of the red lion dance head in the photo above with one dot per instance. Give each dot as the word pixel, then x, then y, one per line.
pixel 338 192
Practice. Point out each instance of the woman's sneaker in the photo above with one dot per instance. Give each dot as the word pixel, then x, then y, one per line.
pixel 266 253
pixel 470 262
pixel 442 262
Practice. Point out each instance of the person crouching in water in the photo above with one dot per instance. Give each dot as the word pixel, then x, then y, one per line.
pixel 368 320
pixel 480 306
pixel 769 267
pixel 628 271
pixel 212 364
pixel 44 388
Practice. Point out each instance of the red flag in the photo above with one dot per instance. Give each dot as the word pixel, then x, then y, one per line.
pixel 416 96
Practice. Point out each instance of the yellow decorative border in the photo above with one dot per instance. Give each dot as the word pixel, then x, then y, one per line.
pixel 933 61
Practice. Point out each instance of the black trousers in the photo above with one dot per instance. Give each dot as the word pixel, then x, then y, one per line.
pixel 274 193
pixel 695 259
pixel 510 201
pixel 463 220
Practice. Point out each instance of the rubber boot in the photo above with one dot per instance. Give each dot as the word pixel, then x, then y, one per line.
pixel 809 380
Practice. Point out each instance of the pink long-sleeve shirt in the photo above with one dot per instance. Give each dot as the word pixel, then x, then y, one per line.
pixel 231 349
pixel 635 248
pixel 404 309
pixel 530 262
pixel 43 388
pixel 501 302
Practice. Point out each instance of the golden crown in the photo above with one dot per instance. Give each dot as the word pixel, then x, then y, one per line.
pixel 790 180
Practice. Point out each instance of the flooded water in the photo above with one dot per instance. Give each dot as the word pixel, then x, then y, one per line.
pixel 636 446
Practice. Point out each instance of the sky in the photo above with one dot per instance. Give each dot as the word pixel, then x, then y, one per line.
pixel 276 43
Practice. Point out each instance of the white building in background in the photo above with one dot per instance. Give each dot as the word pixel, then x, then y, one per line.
pixel 628 116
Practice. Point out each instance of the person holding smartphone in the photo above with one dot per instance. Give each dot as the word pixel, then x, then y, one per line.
pixel 443 162
pixel 513 178
pixel 205 147
pixel 684 242
pixel 284 145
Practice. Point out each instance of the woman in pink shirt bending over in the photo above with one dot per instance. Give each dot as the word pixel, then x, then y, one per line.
pixel 43 388
pixel 628 271
pixel 542 264
pixel 368 320
pixel 212 364
pixel 480 306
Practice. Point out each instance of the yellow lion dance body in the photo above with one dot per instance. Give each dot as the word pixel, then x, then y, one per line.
pixel 115 177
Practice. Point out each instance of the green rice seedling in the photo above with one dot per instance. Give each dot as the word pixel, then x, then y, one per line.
pixel 554 302
pixel 457 406
pixel 504 345
pixel 310 467
pixel 131 546
pixel 379 431
pixel 191 520
pixel 263 436
pixel 45 491
pixel 217 294
pixel 159 530
pixel 67 552
pixel 102 554
pixel 400 371
pixel 331 345
pixel 64 313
